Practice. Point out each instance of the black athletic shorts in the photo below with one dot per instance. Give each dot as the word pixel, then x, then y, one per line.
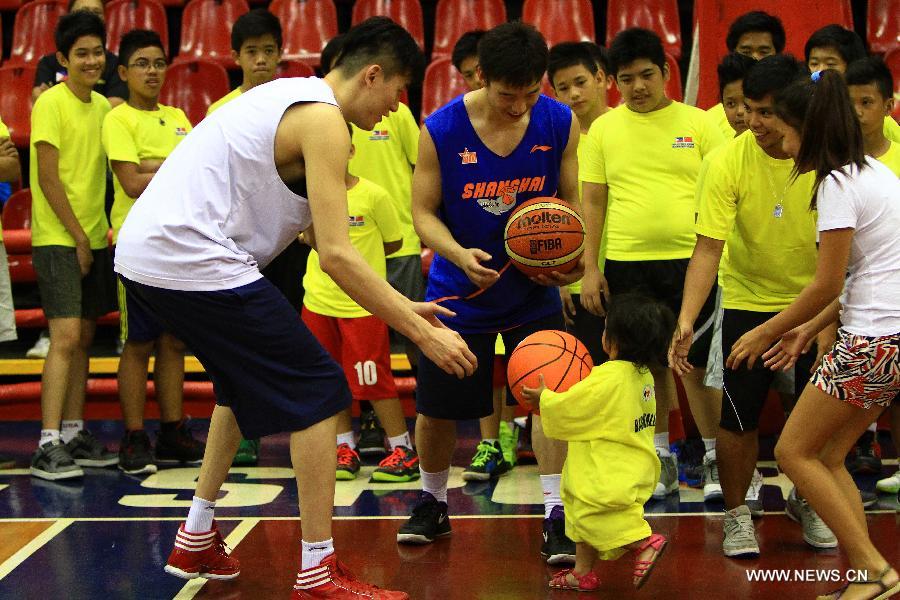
pixel 588 328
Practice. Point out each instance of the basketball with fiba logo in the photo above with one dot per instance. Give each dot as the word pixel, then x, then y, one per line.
pixel 544 235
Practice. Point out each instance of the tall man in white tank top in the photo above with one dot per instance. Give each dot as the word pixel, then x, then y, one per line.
pixel 220 208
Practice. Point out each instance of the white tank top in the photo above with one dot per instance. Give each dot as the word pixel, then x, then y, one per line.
pixel 217 211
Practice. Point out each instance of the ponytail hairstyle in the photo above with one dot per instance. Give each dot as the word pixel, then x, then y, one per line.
pixel 830 135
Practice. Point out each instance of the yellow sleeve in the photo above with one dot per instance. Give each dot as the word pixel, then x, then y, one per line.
pixel 385 214
pixel 891 129
pixel 4 130
pixel 45 121
pixel 408 131
pixel 712 134
pixel 593 166
pixel 578 413
pixel 118 139
pixel 718 199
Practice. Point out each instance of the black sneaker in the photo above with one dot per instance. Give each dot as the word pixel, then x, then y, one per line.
pixel 557 547
pixel 87 451
pixel 135 454
pixel 428 521
pixel 179 447
pixel 52 461
pixel 371 435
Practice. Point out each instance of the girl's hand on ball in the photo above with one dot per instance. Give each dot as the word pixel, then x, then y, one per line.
pixel 533 395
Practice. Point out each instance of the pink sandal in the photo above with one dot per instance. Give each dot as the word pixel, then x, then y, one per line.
pixel 642 568
pixel 586 583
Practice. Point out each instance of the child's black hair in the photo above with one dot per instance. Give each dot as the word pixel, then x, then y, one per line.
pixel 756 21
pixel 633 44
pixel 76 25
pixel 871 70
pixel 733 67
pixel 845 42
pixel 256 23
pixel 572 54
pixel 772 74
pixel 513 53
pixel 135 40
pixel 379 40
pixel 466 47
pixel 640 328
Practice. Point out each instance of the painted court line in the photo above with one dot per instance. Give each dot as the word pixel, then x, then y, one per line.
pixel 234 538
pixel 33 546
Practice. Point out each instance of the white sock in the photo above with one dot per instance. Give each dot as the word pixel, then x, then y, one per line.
pixel 490 441
pixel 314 553
pixel 400 440
pixel 873 426
pixel 346 438
pixel 552 498
pixel 435 483
pixel 661 441
pixel 48 435
pixel 70 429
pixel 200 517
pixel 710 445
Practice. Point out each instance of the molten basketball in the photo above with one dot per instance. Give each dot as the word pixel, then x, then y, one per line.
pixel 557 355
pixel 544 235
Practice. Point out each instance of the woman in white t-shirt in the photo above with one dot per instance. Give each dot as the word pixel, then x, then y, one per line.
pixel 857 281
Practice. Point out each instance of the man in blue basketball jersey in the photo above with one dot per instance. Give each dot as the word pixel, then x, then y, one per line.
pixel 480 156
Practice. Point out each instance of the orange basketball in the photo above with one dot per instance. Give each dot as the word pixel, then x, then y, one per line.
pixel 544 235
pixel 557 355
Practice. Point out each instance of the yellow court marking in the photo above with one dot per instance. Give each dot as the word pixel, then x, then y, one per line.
pixel 33 546
pixel 234 538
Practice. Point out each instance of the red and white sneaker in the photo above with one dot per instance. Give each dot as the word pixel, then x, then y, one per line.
pixel 201 555
pixel 332 580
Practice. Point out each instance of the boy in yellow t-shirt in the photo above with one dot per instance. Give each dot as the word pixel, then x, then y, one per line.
pixel 358 340
pixel 70 251
pixel 608 420
pixel 751 199
pixel 639 172
pixel 137 136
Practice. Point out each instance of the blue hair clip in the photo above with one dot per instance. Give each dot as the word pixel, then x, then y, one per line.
pixel 816 76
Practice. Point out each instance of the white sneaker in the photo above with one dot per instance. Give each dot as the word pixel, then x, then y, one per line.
pixel 890 485
pixel 753 499
pixel 668 477
pixel 712 489
pixel 41 347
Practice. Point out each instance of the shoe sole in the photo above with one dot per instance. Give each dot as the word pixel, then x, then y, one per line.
pixel 187 575
pixel 174 462
pixel 560 559
pixel 477 476
pixel 145 470
pixel 657 495
pixel 713 495
pixel 888 488
pixel 652 566
pixel 742 553
pixel 344 476
pixel 50 476
pixel 95 462
pixel 418 539
pixel 813 543
pixel 381 477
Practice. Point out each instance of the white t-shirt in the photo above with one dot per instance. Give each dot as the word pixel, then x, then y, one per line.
pixel 868 201
pixel 217 211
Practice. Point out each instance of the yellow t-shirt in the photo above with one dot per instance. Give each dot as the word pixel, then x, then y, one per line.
pixel 386 156
pixel 4 133
pixel 224 100
pixel 575 288
pixel 717 114
pixel 650 162
pixel 132 135
pixel 771 250
pixel 891 158
pixel 60 119
pixel 373 222
pixel 891 129
pixel 611 469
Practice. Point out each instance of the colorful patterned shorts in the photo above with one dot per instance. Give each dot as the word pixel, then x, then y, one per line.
pixel 861 370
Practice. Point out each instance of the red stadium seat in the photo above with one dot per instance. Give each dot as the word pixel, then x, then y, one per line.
pixel 407 13
pixel 193 86
pixel 11 5
pixel 883 25
pixel 673 87
pixel 660 16
pixel 293 68
pixel 892 60
pixel 442 83
pixel 455 17
pixel 16 83
pixel 206 30
pixel 17 210
pixel 124 15
pixel 33 31
pixel 561 20
pixel 307 26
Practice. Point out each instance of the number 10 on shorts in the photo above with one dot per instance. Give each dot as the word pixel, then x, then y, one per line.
pixel 366 372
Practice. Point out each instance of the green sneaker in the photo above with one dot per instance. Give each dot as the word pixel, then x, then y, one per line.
pixel 487 463
pixel 509 441
pixel 247 453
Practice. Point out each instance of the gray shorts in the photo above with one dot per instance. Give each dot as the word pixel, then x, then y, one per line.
pixel 7 311
pixel 404 273
pixel 64 292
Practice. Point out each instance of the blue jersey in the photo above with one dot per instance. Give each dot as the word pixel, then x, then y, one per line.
pixel 479 189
